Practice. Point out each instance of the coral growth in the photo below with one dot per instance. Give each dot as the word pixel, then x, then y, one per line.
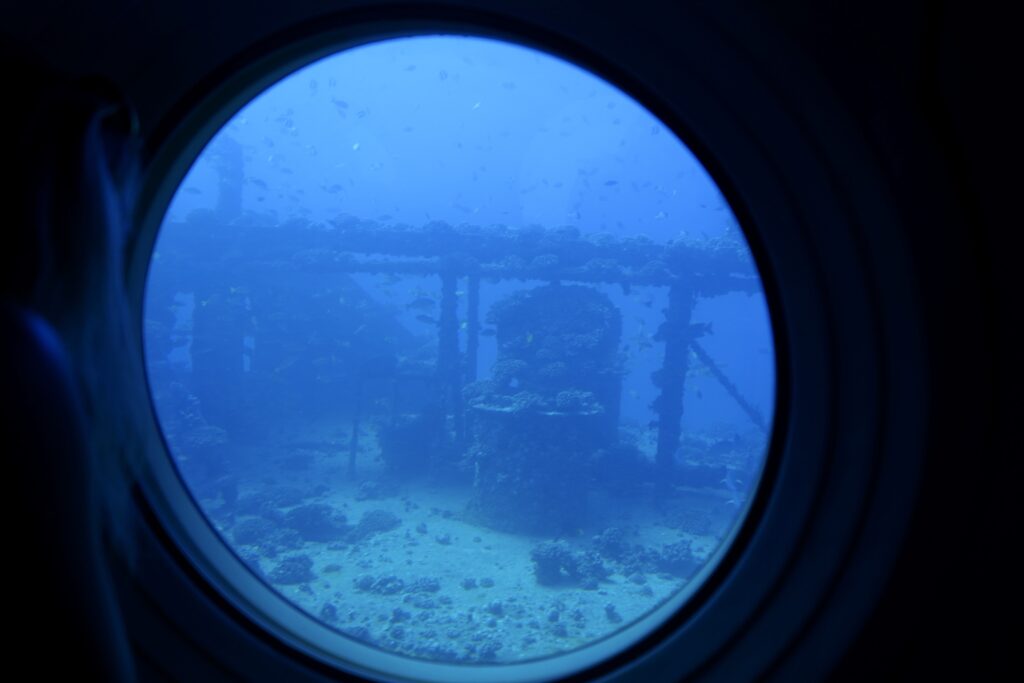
pixel 317 522
pixel 293 569
pixel 557 564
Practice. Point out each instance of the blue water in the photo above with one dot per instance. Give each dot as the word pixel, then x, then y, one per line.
pixel 314 373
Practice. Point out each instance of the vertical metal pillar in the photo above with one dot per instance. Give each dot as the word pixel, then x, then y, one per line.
pixel 448 366
pixel 472 326
pixel 218 346
pixel 671 378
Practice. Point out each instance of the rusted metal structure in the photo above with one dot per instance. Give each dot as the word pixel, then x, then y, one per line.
pixel 207 256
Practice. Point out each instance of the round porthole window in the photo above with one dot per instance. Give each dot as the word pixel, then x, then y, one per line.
pixel 464 356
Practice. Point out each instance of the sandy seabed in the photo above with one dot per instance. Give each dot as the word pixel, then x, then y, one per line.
pixel 440 587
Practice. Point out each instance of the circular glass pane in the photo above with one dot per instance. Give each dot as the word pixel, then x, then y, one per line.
pixel 461 351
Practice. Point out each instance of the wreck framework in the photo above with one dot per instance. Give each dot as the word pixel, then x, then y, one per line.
pixel 689 270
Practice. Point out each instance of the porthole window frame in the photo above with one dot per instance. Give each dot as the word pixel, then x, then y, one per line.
pixel 741 618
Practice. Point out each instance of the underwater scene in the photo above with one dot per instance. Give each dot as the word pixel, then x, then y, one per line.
pixel 460 350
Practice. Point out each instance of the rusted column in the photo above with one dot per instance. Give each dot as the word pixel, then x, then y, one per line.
pixel 448 367
pixel 472 326
pixel 671 378
pixel 218 334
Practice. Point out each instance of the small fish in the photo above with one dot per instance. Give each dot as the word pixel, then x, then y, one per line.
pixel 463 325
pixel 660 215
pixel 732 484
pixel 529 337
pixel 422 303
pixel 192 190
pixel 426 319
pixel 611 183
pixel 443 75
pixel 476 105
pixel 286 364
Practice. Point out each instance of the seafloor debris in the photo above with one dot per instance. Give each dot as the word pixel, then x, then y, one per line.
pixel 317 522
pixel 293 569
pixel 555 563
